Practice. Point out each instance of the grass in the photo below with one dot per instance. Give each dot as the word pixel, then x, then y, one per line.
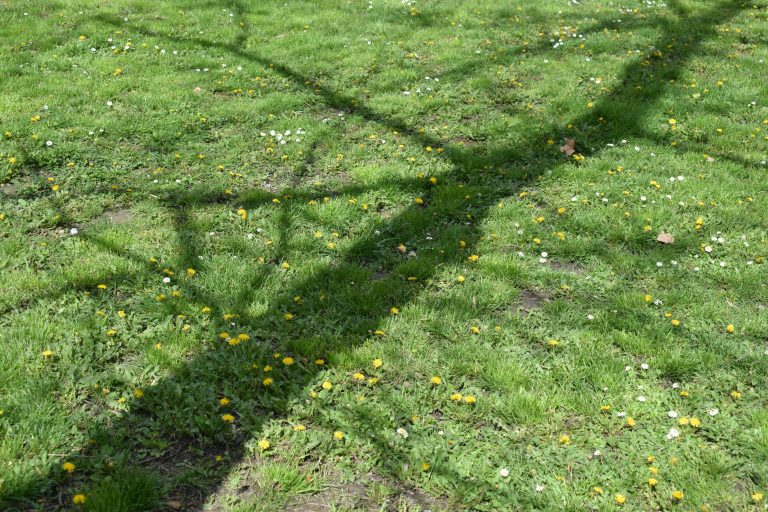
pixel 412 301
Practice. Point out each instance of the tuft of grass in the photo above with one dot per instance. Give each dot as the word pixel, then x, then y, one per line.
pixel 278 483
pixel 125 490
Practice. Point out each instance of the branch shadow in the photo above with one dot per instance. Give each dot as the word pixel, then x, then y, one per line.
pixel 324 325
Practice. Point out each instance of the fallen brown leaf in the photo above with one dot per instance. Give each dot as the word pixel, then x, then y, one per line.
pixel 665 238
pixel 569 148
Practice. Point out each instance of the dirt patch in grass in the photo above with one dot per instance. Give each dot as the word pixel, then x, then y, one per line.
pixel 464 142
pixel 531 300
pixel 374 493
pixel 6 189
pixel 370 492
pixel 188 456
pixel 121 216
pixel 567 266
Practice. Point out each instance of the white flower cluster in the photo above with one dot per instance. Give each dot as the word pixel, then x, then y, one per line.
pixel 285 137
pixel 564 33
pixel 427 89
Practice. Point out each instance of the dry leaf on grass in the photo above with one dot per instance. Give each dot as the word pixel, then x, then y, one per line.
pixel 665 238
pixel 569 148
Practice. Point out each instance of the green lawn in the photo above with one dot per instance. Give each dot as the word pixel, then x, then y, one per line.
pixel 383 255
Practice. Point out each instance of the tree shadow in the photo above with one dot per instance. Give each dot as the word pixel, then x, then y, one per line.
pixel 338 307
